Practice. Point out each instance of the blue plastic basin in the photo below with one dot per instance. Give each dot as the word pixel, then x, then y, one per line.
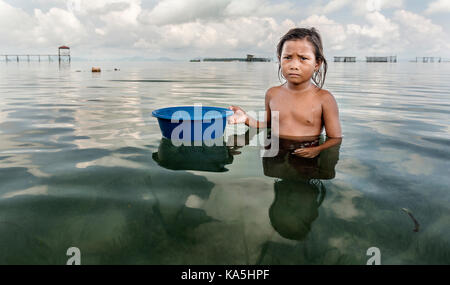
pixel 199 122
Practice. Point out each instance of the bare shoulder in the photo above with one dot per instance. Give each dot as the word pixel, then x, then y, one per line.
pixel 326 97
pixel 272 91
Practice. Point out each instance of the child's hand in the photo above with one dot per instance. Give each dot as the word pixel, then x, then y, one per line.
pixel 308 152
pixel 239 116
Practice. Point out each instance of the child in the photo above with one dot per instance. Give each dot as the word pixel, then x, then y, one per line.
pixel 304 107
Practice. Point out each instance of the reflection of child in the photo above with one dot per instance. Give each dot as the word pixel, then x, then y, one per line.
pixel 304 107
pixel 295 207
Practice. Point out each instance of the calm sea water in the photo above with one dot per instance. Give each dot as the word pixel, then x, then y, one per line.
pixel 82 164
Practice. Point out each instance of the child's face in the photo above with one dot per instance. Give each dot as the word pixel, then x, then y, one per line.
pixel 298 61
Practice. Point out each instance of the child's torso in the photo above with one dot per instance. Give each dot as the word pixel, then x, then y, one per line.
pixel 299 114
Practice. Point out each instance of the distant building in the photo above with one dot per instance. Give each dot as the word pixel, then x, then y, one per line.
pixel 381 58
pixel 428 59
pixel 249 58
pixel 344 59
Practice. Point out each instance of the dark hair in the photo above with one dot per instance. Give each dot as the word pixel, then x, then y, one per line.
pixel 313 36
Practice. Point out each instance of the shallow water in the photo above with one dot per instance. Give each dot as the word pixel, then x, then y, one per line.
pixel 82 164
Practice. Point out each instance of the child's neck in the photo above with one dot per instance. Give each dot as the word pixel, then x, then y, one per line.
pixel 301 87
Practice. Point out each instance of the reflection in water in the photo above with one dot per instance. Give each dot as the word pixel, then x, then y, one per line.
pixel 206 157
pixel 296 207
pixel 113 214
pixel 298 190
pixel 64 65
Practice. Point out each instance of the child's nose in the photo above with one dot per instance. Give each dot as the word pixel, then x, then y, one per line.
pixel 295 64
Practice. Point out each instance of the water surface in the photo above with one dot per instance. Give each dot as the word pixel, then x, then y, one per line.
pixel 82 163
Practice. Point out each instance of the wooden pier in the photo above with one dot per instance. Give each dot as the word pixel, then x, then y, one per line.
pixel 63 52
pixel 392 58
pixel 426 59
pixel 27 57
pixel 345 59
pixel 249 58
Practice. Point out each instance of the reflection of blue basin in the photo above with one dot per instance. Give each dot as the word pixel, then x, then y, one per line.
pixel 202 123
pixel 204 158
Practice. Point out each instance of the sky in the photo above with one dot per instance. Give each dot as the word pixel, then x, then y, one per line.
pixel 187 29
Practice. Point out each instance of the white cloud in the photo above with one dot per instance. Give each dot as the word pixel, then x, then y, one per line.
pixel 187 35
pixel 182 11
pixel 261 8
pixel 379 35
pixel 439 6
pixel 243 34
pixel 381 27
pixel 420 33
pixel 190 28
pixel 10 19
pixel 360 7
pixel 417 23
pixel 100 32
pixel 123 17
pixel 331 6
pixel 57 26
pixel 363 7
pixel 98 7
pixel 333 34
pixel 378 5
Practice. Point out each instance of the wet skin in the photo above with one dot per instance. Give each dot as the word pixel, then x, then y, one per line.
pixel 303 108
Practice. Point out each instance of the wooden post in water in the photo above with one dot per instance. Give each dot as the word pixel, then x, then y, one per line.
pixel 17 58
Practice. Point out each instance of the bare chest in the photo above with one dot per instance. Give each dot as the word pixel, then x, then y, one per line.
pixel 306 111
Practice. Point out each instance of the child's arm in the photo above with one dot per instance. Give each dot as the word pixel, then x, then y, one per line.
pixel 311 152
pixel 330 115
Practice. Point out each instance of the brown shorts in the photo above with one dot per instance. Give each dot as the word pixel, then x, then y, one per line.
pixel 290 145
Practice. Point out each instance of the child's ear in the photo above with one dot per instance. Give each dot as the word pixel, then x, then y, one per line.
pixel 318 64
